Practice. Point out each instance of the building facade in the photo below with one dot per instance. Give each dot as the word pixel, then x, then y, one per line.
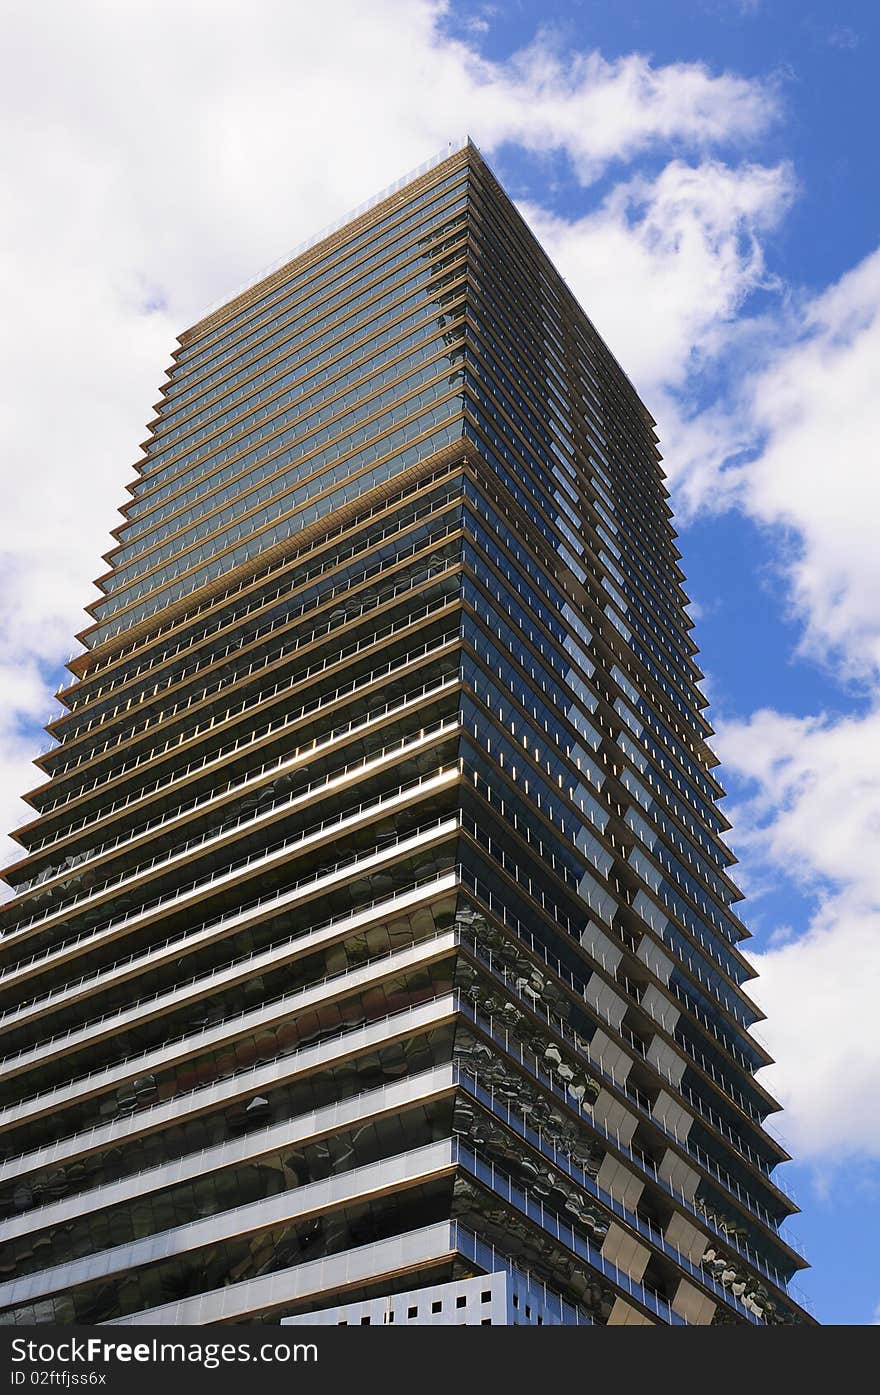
pixel 373 935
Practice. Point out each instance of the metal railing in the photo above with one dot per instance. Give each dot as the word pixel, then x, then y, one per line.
pixel 223 753
pixel 326 740
pixel 219 835
pixel 642 1161
pixel 146 641
pixel 653 1234
pixel 453 1001
pixel 299 641
pixel 270 626
pixel 579 988
pixel 263 600
pixel 408 843
pixel 622 1087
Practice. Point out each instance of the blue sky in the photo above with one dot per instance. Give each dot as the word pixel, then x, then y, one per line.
pixel 704 174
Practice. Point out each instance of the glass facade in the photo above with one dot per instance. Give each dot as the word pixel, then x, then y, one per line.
pixel 375 916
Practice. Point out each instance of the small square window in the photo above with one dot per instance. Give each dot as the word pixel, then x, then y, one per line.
pixel 437 1306
pixel 412 1312
pixel 461 1301
pixel 365 1321
pixel 486 1296
pixel 487 1322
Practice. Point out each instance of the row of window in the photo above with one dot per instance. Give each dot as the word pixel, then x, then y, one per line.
pixel 179 393
pixel 228 500
pixel 334 264
pixel 398 448
pixel 311 356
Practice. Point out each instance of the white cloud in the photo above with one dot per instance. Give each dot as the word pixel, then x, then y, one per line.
pixel 816 410
pixel 813 815
pixel 843 36
pixel 602 111
pixel 157 157
pixel 791 437
pixel 820 995
pixel 664 265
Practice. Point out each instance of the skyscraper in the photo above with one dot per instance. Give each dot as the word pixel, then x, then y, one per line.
pixel 373 953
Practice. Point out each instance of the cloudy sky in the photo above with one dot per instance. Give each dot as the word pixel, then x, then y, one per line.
pixel 703 172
